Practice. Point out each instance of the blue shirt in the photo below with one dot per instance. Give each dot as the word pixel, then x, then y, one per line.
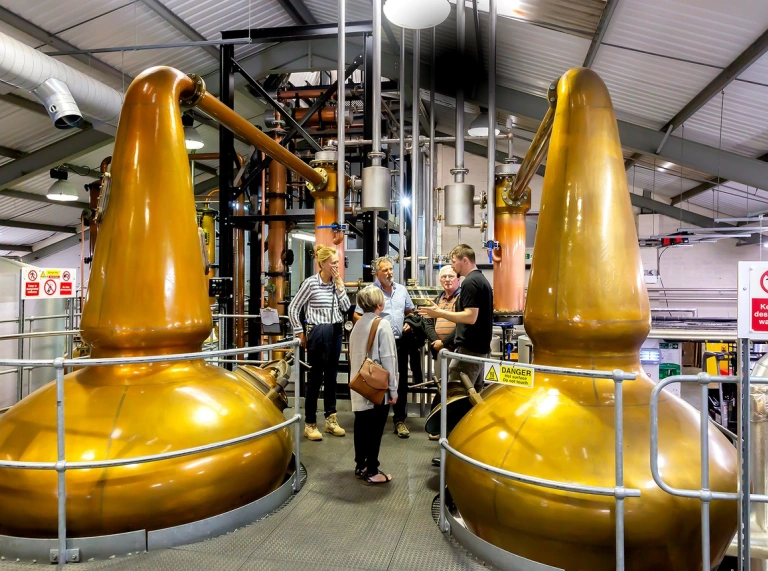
pixel 395 306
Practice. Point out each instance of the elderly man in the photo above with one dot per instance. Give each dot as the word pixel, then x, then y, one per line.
pixel 397 304
pixel 440 331
pixel 473 316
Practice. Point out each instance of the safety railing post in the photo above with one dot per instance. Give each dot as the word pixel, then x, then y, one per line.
pixel 442 523
pixel 705 499
pixel 744 433
pixel 619 444
pixel 20 350
pixel 61 466
pixel 295 376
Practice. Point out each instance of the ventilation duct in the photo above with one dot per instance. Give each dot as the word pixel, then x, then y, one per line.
pixel 26 68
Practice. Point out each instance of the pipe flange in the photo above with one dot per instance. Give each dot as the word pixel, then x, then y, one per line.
pixel 374 155
pixel 506 195
pixel 197 94
pixel 311 187
pixel 463 171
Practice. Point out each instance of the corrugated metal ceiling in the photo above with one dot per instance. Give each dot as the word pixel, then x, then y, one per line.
pixel 657 56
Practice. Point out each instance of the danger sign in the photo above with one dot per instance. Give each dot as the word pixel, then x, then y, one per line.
pixel 49 283
pixel 508 373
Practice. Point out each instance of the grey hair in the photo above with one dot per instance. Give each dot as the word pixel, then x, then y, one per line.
pixel 380 260
pixel 370 298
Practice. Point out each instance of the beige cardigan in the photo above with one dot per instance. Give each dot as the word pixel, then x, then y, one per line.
pixel 383 352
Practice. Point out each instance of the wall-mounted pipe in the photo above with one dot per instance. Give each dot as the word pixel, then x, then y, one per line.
pixel 401 178
pixel 429 218
pixel 415 157
pixel 376 111
pixel 459 171
pixel 341 74
pixel 490 235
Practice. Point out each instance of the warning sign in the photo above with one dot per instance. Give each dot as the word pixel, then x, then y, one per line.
pixel 50 283
pixel 508 373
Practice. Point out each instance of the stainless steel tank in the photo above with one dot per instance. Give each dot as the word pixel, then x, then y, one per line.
pixel 377 183
pixel 459 204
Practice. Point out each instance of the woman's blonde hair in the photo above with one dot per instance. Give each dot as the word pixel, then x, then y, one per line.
pixel 370 298
pixel 324 253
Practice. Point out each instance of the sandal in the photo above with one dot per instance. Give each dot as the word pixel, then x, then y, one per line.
pixel 360 473
pixel 371 482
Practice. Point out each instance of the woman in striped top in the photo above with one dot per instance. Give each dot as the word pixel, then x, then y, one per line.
pixel 324 301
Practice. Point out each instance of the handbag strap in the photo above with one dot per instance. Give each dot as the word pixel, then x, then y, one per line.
pixel 372 335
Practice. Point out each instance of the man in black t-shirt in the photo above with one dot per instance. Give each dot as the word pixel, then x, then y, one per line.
pixel 473 316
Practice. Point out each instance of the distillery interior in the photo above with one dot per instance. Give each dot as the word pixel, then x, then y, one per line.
pixel 384 285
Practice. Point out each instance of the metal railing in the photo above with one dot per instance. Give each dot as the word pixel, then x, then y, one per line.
pixel 618 491
pixel 62 465
pixel 704 494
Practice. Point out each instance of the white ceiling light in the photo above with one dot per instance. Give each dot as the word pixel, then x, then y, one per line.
pixel 61 190
pixel 192 139
pixel 479 126
pixel 418 14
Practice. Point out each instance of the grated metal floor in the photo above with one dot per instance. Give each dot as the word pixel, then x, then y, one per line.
pixel 336 523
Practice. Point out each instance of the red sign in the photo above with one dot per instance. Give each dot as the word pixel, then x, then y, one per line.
pixel 32 289
pixel 759 314
pixel 32 275
pixel 65 288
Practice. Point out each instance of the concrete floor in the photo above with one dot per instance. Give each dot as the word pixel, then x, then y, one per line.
pixel 336 523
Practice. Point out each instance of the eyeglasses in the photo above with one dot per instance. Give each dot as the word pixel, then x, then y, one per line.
pixel 448 278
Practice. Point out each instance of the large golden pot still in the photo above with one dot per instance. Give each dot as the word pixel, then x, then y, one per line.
pixel 588 308
pixel 147 296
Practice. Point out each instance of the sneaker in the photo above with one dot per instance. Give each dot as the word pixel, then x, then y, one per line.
pixel 311 432
pixel 401 430
pixel 332 426
pixel 434 436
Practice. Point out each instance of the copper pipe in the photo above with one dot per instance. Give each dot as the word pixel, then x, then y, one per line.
pixel 263 228
pixel 238 125
pixel 326 213
pixel 278 188
pixel 538 149
pixel 326 115
pixel 509 259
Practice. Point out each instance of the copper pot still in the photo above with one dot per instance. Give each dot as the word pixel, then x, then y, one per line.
pixel 588 308
pixel 147 296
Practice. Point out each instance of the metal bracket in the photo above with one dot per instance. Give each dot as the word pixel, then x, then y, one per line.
pixel 336 227
pixel 73 555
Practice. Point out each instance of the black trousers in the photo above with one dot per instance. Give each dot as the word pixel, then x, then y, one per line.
pixel 323 350
pixel 369 428
pixel 399 408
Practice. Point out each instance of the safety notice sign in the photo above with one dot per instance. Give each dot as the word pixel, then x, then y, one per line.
pixel 510 373
pixel 47 283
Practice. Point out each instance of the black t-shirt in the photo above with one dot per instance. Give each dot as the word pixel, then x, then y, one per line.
pixel 475 292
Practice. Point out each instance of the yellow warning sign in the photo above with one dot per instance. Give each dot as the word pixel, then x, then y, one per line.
pixel 515 374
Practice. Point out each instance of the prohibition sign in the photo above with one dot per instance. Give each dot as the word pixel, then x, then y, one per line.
pixel 764 282
pixel 50 287
pixel 32 275
pixel 65 276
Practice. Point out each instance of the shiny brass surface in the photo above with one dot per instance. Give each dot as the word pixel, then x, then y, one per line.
pixel 509 259
pixel 587 307
pixel 538 149
pixel 147 296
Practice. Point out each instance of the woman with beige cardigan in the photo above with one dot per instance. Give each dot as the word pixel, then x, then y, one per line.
pixel 371 418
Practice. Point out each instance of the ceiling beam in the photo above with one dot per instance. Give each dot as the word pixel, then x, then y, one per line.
pixel 602 26
pixel 56 247
pixel 36 226
pixel 54 41
pixel 54 154
pixel 31 196
pixel 11 153
pixel 207 185
pixel 749 56
pixel 298 12
pixel 23 103
pixel 15 247
pixel 705 186
pixel 674 212
pixel 177 22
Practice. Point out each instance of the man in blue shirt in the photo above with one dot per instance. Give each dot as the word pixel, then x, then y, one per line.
pixel 397 304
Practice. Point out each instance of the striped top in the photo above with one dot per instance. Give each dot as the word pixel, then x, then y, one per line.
pixel 442 326
pixel 322 303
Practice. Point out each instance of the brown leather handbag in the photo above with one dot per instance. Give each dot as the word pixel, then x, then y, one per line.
pixel 372 380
